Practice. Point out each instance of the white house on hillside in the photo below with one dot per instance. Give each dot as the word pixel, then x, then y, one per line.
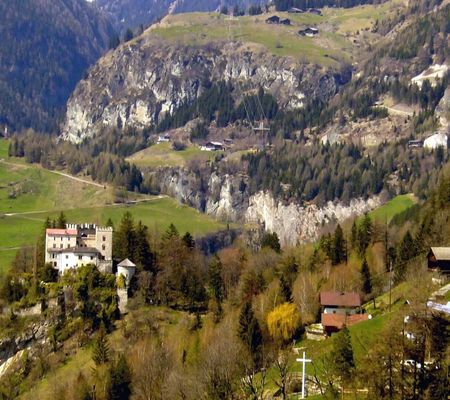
pixel 435 141
pixel 78 245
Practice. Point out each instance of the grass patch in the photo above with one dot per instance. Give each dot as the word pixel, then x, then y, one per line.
pixel 393 207
pixel 162 155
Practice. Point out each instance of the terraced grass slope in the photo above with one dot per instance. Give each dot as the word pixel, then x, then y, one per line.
pixel 341 31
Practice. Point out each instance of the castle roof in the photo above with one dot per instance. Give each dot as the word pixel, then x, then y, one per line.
pixel 126 264
pixel 61 232
pixel 76 250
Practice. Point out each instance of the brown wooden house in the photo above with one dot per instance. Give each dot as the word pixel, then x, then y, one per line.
pixel 439 259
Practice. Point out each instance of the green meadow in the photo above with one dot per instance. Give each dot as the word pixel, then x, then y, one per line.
pixel 29 194
pixel 334 43
pixel 393 207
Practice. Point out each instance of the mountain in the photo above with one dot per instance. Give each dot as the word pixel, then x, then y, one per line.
pixel 132 13
pixel 47 45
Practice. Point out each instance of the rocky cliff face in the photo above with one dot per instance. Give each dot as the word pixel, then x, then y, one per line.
pixel 146 78
pixel 227 198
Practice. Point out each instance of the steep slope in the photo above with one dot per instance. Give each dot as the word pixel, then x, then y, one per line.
pixel 46 47
pixel 132 13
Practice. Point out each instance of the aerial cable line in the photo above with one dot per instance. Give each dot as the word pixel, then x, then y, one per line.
pixel 262 115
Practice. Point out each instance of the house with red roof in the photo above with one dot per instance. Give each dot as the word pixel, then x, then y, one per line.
pixel 340 309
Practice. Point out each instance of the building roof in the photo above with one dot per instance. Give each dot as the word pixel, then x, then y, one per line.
pixel 76 250
pixel 61 232
pixel 340 299
pixel 126 264
pixel 340 320
pixel 441 253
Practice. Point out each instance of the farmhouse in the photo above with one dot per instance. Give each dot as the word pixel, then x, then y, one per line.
pixel 315 11
pixel 340 309
pixel 163 138
pixel 212 146
pixel 309 31
pixel 78 245
pixel 274 19
pixel 412 144
pixel 439 259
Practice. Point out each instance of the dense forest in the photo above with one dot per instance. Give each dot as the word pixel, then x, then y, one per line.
pixel 46 48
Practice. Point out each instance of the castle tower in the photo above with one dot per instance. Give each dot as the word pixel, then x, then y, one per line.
pixel 103 240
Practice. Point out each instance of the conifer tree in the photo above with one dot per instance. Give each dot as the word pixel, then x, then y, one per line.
pixel 215 279
pixel 119 387
pixel 249 331
pixel 171 232
pixel 188 241
pixel 366 277
pixel 61 221
pixel 343 363
pixel 365 232
pixel 100 352
pixel 125 237
pixel 142 254
pixel 339 247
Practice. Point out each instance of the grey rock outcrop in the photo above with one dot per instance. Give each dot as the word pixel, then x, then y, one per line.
pixel 227 198
pixel 143 80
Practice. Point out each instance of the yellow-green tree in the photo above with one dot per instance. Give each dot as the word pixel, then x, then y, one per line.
pixel 283 321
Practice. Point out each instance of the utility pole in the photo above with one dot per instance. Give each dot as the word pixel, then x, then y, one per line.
pixel 303 360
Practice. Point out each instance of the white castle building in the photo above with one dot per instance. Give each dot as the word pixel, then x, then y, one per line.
pixel 78 245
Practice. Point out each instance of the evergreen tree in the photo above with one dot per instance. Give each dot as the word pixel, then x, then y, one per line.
pixel 365 232
pixel 61 221
pixel 188 241
pixel 142 254
pixel 339 247
pixel 249 331
pixel 125 237
pixel 171 232
pixel 100 352
pixel 366 277
pixel 109 223
pixel 343 363
pixel 271 240
pixel 285 288
pixel 215 279
pixel 119 385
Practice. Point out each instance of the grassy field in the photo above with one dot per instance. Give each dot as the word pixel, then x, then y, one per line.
pixel 333 43
pixel 29 194
pixel 162 155
pixel 393 207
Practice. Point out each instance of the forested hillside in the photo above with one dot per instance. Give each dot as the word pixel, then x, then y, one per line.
pixel 47 45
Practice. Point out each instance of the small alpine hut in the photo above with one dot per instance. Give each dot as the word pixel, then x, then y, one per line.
pixel 439 259
pixel 127 269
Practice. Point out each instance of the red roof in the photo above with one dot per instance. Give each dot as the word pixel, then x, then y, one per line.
pixel 338 321
pixel 61 232
pixel 340 299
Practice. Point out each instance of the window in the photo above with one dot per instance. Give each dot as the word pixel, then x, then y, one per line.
pixel 68 245
pixel 54 245
pixel 92 257
pixel 61 238
pixel 61 246
pixel 80 257
pixel 103 247
pixel 67 256
pixel 104 238
pixel 54 263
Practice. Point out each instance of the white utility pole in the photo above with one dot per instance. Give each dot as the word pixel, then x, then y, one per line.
pixel 303 360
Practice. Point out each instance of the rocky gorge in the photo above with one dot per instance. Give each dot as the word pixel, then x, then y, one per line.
pixel 228 198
